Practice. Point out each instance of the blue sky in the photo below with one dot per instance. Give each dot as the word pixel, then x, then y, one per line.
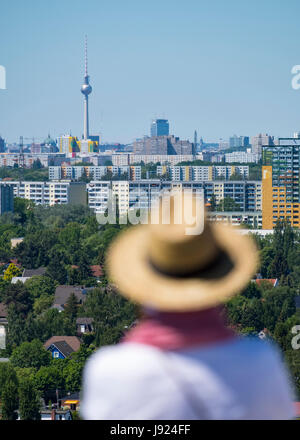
pixel 220 67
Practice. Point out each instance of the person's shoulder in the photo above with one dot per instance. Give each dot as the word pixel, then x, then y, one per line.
pixel 242 349
pixel 256 345
pixel 262 354
pixel 253 346
pixel 124 356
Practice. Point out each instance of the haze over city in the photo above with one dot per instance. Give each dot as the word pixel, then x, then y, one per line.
pixel 220 68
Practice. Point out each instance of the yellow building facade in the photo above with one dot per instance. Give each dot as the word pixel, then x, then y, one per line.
pixel 276 200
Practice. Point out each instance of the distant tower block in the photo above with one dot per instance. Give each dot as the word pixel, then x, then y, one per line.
pixel 86 89
pixel 195 139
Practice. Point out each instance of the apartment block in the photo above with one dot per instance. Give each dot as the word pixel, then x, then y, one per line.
pixel 202 173
pixel 280 182
pixel 50 193
pixel 242 157
pixel 139 194
pixel 164 159
pixel 95 172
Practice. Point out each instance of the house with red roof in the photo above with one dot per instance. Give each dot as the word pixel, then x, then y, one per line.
pixel 273 281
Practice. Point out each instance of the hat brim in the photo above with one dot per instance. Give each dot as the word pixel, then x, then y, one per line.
pixel 130 270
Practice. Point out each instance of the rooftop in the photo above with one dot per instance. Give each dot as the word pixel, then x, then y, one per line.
pixel 32 272
pixel 72 341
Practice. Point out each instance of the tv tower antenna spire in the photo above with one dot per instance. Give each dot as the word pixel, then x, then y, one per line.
pixel 86 57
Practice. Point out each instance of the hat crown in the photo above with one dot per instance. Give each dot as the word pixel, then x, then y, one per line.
pixel 181 240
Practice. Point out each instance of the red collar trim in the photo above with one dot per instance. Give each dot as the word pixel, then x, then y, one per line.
pixel 174 331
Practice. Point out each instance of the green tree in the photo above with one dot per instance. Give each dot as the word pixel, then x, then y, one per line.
pixel 56 268
pixel 30 354
pixel 71 307
pixel 227 205
pixel 23 209
pixel 29 401
pixel 8 392
pixel 292 359
pixel 37 164
pixel 42 303
pixel 73 375
pixel 49 378
pixel 213 203
pixel 40 286
pixel 111 312
pixel 84 270
pixel 251 291
pixel 283 244
pixel 34 250
pixel 12 271
pixel 69 237
pixel 17 295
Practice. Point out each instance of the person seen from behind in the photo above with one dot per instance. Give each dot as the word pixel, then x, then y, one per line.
pixel 181 361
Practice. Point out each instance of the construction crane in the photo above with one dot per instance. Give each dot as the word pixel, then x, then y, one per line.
pixel 32 139
pixel 21 159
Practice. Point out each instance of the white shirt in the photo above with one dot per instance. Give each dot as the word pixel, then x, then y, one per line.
pixel 243 378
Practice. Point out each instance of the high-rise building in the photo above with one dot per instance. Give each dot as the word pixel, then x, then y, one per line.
pixel 195 140
pixel 280 182
pixel 68 145
pixel 95 138
pixel 238 141
pixel 2 145
pixel 159 127
pixel 6 198
pixel 258 141
pixel 163 145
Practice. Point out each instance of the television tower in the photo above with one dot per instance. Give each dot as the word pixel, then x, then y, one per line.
pixel 86 89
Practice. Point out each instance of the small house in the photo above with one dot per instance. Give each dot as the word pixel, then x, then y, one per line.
pixel 61 347
pixel 71 402
pixel 84 325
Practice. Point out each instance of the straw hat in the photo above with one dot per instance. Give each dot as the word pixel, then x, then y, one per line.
pixel 171 267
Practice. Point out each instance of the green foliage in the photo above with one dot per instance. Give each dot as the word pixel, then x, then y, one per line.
pixel 292 358
pixel 251 291
pixel 72 375
pixel 51 323
pixel 29 400
pixel 8 392
pixel 30 354
pixel 71 308
pixel 56 268
pixel 37 165
pixel 39 285
pixel 49 378
pixel 111 313
pixel 227 205
pixel 265 307
pixel 12 271
pixel 57 238
pixel 18 300
pixel 43 303
pixel 35 173
pixel 23 210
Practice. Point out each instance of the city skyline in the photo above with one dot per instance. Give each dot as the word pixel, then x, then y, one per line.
pixel 203 68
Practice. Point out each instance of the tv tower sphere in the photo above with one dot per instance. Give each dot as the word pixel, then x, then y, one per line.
pixel 86 88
